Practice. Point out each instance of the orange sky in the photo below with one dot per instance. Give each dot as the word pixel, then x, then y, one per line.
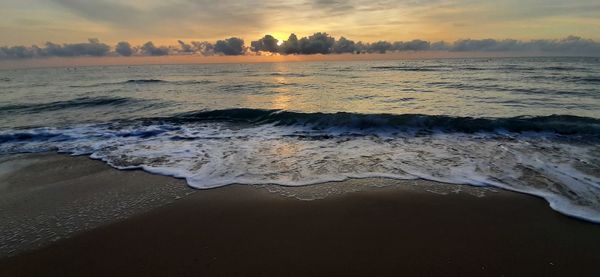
pixel 66 21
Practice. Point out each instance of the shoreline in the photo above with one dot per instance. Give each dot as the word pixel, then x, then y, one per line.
pixel 395 228
pixel 47 197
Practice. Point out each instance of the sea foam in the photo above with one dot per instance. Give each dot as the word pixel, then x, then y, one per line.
pixel 212 150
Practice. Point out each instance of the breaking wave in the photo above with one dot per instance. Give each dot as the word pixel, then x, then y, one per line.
pixel 554 157
pixel 559 124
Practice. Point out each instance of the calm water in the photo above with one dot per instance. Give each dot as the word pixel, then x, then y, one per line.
pixel 528 124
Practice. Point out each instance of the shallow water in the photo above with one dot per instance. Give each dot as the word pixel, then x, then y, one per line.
pixel 525 124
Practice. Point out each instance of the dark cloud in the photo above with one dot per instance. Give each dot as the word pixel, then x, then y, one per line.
pixel 569 45
pixel 344 45
pixel 91 48
pixel 185 48
pixel 414 45
pixel 17 52
pixel 150 50
pixel 123 48
pixel 440 46
pixel 486 45
pixel 267 44
pixel 290 46
pixel 379 47
pixel 318 43
pixel 230 47
pixel 203 47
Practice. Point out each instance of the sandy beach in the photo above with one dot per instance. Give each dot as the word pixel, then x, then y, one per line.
pixel 252 230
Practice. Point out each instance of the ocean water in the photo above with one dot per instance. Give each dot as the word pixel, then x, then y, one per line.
pixel 530 125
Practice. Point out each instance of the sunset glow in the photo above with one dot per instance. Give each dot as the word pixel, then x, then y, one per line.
pixel 38 21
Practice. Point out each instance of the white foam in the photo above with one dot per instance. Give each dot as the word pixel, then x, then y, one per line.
pixel 210 155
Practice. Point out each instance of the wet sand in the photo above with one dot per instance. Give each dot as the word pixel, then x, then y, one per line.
pixel 249 231
pixel 47 197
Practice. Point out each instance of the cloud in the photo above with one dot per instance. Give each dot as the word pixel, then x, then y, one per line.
pixel 203 47
pixel 571 44
pixel 155 19
pixel 318 43
pixel 149 49
pixel 344 45
pixel 266 44
pixel 91 48
pixel 230 47
pixel 333 7
pixel 372 20
pixel 413 45
pixel 105 11
pixel 290 46
pixel 568 45
pixel 379 47
pixel 185 48
pixel 440 46
pixel 123 48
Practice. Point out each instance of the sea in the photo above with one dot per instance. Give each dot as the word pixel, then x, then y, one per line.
pixel 530 125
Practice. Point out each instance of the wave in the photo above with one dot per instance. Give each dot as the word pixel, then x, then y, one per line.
pixel 583 79
pixel 249 146
pixel 83 102
pixel 410 68
pixel 158 81
pixel 341 122
pixel 571 79
pixel 256 87
pixel 478 68
pixel 145 82
pixel 558 124
pixel 565 68
pixel 519 90
pixel 331 123
pixel 288 74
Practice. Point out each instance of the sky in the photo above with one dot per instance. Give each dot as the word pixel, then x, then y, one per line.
pixel 26 22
